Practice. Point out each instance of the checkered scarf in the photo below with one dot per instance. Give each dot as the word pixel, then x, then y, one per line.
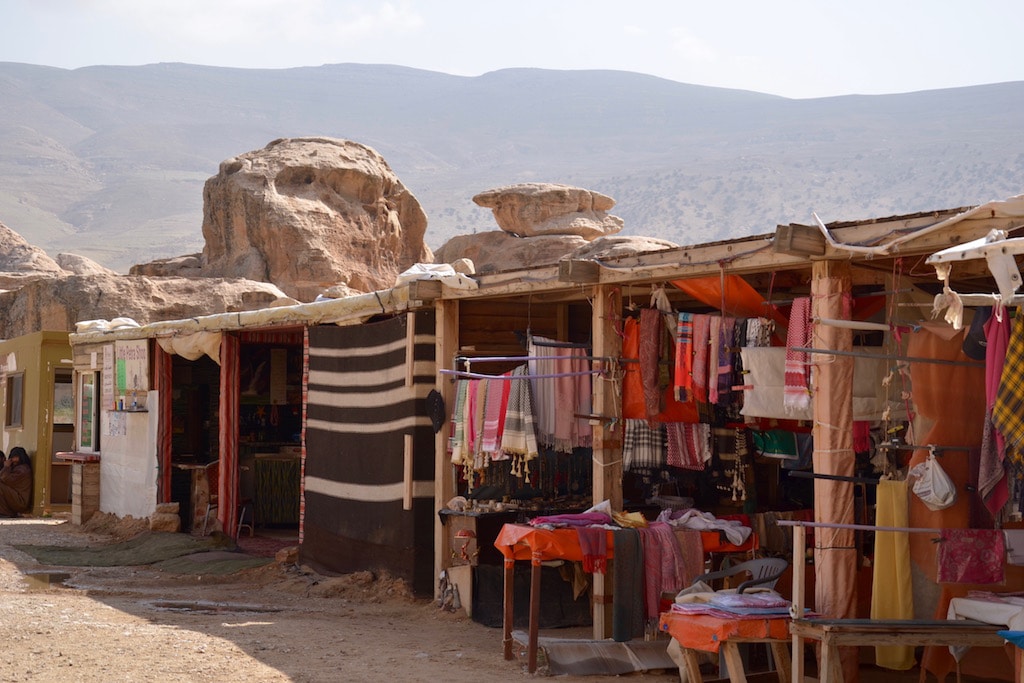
pixel 643 446
pixel 689 445
pixel 796 394
pixel 1008 410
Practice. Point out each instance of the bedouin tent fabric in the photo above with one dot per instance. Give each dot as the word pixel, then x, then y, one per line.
pixel 359 411
pixel 952 423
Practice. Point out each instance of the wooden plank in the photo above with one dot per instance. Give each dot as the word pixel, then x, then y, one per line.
pixel 799 568
pixel 733 662
pixel 446 342
pixel 407 481
pixel 607 451
pixel 507 603
pixel 531 656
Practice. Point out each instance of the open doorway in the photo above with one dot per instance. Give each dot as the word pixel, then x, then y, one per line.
pixel 195 401
pixel 62 437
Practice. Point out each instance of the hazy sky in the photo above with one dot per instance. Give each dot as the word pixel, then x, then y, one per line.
pixel 795 48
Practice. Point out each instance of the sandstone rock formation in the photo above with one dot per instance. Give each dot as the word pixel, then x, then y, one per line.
pixel 22 263
pixel 306 214
pixel 57 303
pixel 190 265
pixel 82 265
pixel 495 250
pixel 532 209
pixel 620 245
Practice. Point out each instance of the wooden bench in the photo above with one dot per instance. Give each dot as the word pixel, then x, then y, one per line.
pixel 836 633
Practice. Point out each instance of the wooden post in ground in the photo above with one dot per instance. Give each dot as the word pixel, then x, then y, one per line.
pixel 607 406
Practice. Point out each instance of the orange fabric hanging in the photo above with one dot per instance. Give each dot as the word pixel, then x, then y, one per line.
pixel 738 299
pixel 633 406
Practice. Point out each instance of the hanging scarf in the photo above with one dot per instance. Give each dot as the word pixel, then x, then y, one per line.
pixel 650 354
pixel 459 423
pixel 714 333
pixel 796 395
pixel 689 445
pixel 594 546
pixel 726 347
pixel 494 415
pixel 558 400
pixel 971 556
pixel 683 381
pixel 1008 408
pixel 519 438
pixel 701 332
pixel 643 446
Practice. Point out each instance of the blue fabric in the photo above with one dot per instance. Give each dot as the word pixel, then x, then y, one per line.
pixel 1015 637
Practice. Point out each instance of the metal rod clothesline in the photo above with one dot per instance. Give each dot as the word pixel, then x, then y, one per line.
pixel 833 477
pixel 881 356
pixel 477 375
pixel 856 527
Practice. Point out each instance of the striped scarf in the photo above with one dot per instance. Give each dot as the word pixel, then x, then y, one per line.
pixel 519 437
pixel 683 381
pixel 701 332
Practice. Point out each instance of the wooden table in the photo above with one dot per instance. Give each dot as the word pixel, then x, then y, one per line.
pixel 836 633
pixel 524 542
pixel 712 633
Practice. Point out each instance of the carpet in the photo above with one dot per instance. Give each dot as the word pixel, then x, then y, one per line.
pixel 173 553
pixel 263 546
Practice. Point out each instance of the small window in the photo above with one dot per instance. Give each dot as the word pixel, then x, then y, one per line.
pixel 88 412
pixel 15 400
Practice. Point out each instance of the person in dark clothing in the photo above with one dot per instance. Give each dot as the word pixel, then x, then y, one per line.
pixel 15 483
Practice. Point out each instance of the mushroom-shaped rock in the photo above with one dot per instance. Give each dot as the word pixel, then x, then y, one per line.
pixel 495 250
pixel 532 209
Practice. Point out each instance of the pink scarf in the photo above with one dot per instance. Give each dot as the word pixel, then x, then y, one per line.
pixel 797 394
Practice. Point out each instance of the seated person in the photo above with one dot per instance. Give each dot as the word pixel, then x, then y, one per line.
pixel 15 483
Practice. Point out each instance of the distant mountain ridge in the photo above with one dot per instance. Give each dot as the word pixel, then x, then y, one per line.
pixel 109 162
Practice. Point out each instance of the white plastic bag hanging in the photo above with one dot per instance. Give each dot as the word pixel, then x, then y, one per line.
pixel 932 485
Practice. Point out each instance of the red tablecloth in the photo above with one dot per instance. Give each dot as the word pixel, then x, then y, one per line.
pixel 707 632
pixel 522 542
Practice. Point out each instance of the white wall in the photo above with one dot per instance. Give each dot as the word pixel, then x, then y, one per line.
pixel 128 466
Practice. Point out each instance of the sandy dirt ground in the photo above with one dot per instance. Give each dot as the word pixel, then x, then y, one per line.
pixel 279 622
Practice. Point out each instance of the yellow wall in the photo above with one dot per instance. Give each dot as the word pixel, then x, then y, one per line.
pixel 38 356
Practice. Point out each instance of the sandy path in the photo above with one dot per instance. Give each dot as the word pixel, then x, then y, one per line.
pixel 275 623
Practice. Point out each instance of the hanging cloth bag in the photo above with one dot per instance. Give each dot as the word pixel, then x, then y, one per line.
pixel 932 485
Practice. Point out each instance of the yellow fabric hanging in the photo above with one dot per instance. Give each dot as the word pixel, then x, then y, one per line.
pixel 891 590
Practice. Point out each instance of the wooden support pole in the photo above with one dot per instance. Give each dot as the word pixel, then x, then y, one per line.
pixel 835 559
pixel 509 586
pixel 607 454
pixel 535 567
pixel 799 568
pixel 446 345
pixel 407 482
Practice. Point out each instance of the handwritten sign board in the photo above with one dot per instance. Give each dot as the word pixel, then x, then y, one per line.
pixel 131 361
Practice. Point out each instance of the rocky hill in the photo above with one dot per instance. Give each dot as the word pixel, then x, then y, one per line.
pixel 110 162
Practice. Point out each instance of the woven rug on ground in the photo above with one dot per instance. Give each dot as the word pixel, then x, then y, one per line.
pixel 175 553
